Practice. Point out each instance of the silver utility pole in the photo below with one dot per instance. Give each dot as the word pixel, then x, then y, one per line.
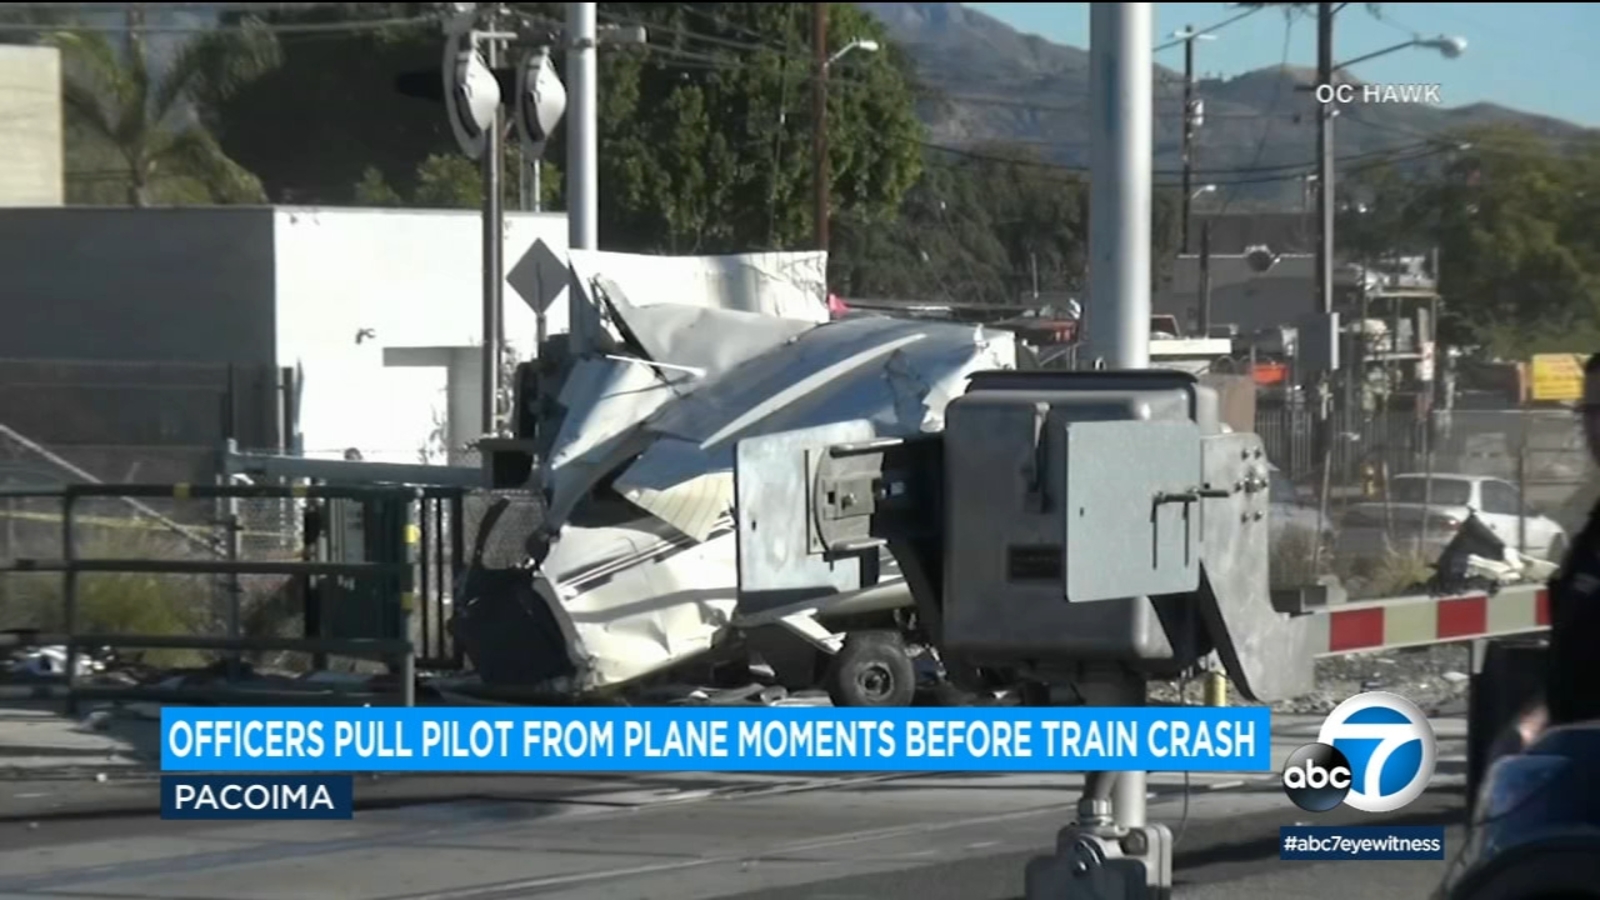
pixel 1119 183
pixel 583 158
pixel 583 145
pixel 493 245
pixel 1120 89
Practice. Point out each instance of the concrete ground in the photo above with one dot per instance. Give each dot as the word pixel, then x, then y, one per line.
pixel 777 837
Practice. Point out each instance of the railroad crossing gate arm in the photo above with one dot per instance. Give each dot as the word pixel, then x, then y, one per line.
pixel 1266 652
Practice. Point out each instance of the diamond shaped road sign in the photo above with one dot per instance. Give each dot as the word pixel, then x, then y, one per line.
pixel 539 276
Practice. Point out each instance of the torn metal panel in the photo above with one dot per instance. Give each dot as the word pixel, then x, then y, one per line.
pixel 708 341
pixel 896 374
pixel 837 372
pixel 782 285
pixel 672 482
pixel 638 598
pixel 605 400
pixel 642 574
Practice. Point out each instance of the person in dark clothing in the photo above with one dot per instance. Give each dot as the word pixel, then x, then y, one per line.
pixel 1572 685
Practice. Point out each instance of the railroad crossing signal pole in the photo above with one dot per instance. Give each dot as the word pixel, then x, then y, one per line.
pixel 1119 184
pixel 475 90
pixel 493 241
pixel 1119 249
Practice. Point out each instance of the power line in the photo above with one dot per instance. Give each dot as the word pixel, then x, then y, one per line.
pixel 1217 27
pixel 714 40
pixel 253 25
pixel 1294 172
pixel 1277 95
pixel 1275 167
pixel 1486 141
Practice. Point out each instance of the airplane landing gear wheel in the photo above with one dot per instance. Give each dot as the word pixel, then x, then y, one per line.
pixel 872 669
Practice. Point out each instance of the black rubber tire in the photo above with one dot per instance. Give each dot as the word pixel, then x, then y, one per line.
pixel 873 669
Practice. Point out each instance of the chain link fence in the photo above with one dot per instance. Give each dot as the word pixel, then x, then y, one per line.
pixel 1397 485
pixel 1525 474
pixel 1542 452
pixel 31 528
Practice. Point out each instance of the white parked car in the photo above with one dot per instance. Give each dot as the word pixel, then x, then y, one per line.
pixel 1449 499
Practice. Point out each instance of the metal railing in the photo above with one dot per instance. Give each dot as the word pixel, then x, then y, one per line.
pixel 395 574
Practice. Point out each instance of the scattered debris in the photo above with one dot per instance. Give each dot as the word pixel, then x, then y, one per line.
pixel 627 569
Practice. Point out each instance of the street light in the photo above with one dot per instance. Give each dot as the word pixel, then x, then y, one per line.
pixel 863 45
pixel 1449 47
pixel 820 178
pixel 1203 189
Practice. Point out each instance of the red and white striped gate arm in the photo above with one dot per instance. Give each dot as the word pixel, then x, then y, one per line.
pixel 1420 620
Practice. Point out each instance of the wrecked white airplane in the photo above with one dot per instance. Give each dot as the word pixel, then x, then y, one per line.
pixel 632 571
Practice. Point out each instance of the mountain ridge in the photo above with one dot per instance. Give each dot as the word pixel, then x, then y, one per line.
pixel 990 83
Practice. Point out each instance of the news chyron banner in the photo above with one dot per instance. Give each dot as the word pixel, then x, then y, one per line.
pixel 290 763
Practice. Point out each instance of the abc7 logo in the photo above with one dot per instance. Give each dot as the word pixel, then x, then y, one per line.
pixel 1396 750
pixel 1317 777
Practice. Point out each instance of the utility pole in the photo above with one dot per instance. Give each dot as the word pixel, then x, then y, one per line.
pixel 1119 184
pixel 583 144
pixel 493 245
pixel 1205 279
pixel 820 177
pixel 583 160
pixel 1188 127
pixel 1325 193
pixel 1120 163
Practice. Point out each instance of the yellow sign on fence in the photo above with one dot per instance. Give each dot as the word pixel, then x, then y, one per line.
pixel 1557 376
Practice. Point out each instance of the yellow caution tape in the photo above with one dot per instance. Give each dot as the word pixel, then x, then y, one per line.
pixel 297 490
pixel 413 534
pixel 180 491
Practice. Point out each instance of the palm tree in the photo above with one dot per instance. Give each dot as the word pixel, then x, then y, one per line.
pixel 146 118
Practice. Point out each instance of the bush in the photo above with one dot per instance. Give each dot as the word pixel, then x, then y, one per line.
pixel 1292 559
pixel 1396 572
pixel 117 603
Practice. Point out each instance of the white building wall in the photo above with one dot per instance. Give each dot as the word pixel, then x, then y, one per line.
pixel 32 170
pixel 355 283
pixel 172 285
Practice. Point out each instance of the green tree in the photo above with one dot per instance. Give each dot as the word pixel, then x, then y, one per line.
pixel 974 230
pixel 373 190
pixel 705 134
pixel 1514 221
pixel 143 117
pixel 313 126
pixel 705 138
pixel 1513 271
pixel 451 181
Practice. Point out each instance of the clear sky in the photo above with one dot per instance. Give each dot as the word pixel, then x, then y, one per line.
pixel 1537 57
